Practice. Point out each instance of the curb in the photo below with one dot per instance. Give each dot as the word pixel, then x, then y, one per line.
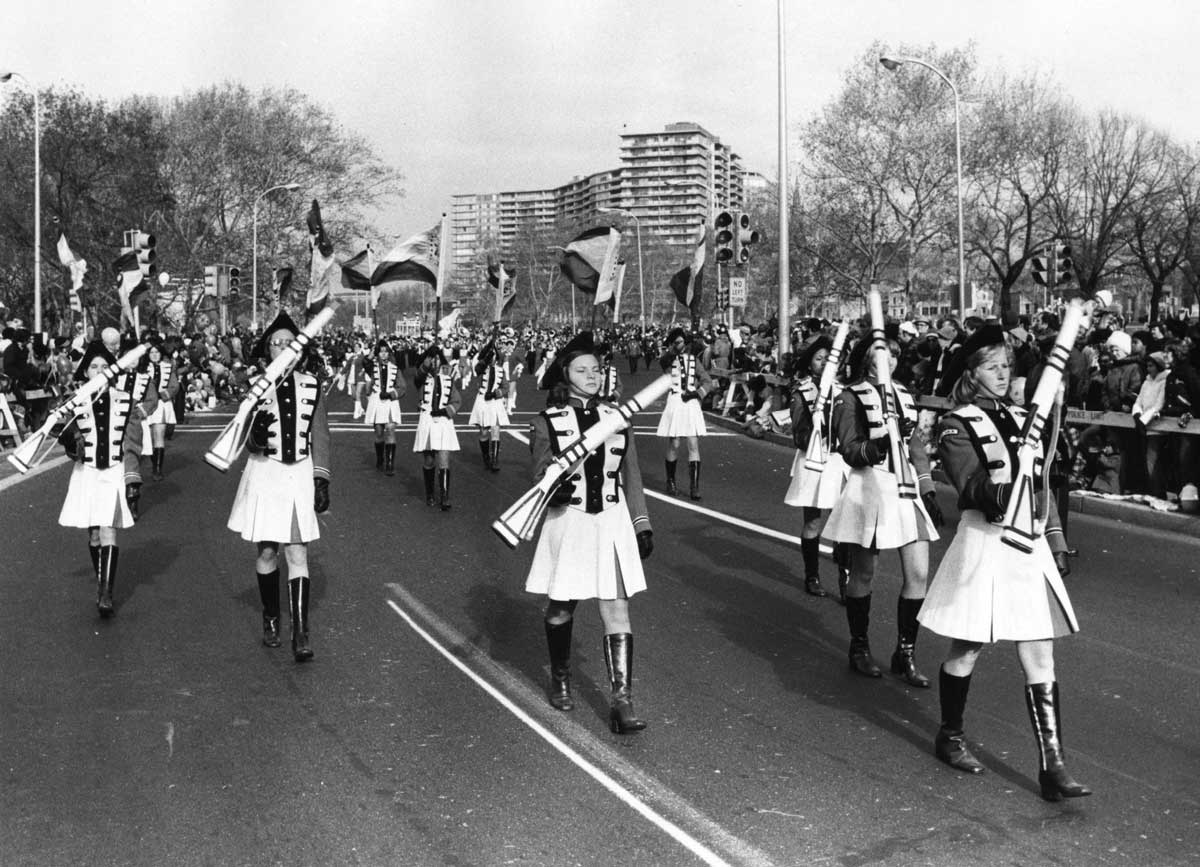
pixel 1135 514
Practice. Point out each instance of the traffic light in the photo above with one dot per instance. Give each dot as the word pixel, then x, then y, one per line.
pixel 210 280
pixel 745 237
pixel 235 281
pixel 143 245
pixel 1039 268
pixel 1064 268
pixel 724 237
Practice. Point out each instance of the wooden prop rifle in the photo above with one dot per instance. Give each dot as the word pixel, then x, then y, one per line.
pixel 814 458
pixel 520 520
pixel 229 443
pixel 1025 517
pixel 882 359
pixel 34 449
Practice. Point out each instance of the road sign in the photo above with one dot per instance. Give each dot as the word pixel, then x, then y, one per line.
pixel 737 291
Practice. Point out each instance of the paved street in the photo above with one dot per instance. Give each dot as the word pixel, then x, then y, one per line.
pixel 420 733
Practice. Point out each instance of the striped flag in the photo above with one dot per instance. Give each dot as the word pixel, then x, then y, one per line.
pixel 688 281
pixel 78 269
pixel 587 256
pixel 323 272
pixel 417 258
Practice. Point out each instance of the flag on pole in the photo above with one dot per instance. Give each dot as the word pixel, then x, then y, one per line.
pixel 619 290
pixel 78 269
pixel 281 281
pixel 323 272
pixel 417 258
pixel 449 322
pixel 688 281
pixel 584 259
pixel 505 281
pixel 610 279
pixel 443 256
pixel 355 272
pixel 131 285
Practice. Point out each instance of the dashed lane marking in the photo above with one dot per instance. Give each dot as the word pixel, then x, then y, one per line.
pixel 733 847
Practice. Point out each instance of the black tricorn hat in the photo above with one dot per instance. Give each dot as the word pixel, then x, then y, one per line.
pixel 434 350
pixel 581 344
pixel 810 348
pixel 989 334
pixel 282 322
pixel 94 350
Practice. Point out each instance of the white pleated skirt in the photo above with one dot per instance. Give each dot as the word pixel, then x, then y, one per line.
pixel 586 556
pixel 380 411
pixel 986 591
pixel 870 513
pixel 435 434
pixel 488 413
pixel 96 498
pixel 681 418
pixel 816 490
pixel 164 413
pixel 274 502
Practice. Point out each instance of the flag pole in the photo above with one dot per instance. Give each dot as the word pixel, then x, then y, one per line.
pixel 371 294
pixel 441 275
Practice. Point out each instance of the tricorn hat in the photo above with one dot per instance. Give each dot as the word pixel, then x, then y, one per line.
pixel 581 344
pixel 94 350
pixel 989 334
pixel 282 322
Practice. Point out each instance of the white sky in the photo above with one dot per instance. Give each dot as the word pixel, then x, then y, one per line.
pixel 488 95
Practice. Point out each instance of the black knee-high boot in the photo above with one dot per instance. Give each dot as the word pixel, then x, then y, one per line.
pixel 268 591
pixel 558 640
pixel 389 459
pixel 950 745
pixel 494 455
pixel 298 592
pixel 903 661
pixel 94 553
pixel 810 553
pixel 445 480
pixel 858 616
pixel 841 556
pixel 379 456
pixel 618 657
pixel 694 479
pixel 671 489
pixel 1056 783
pixel 156 463
pixel 485 449
pixel 428 473
pixel 105 578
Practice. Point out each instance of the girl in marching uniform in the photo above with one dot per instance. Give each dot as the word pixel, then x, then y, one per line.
pixel 817 492
pixel 96 494
pixel 871 515
pixel 284 486
pixel 383 407
pixel 596 531
pixel 682 417
pixel 436 437
pixel 154 428
pixel 984 590
pixel 489 412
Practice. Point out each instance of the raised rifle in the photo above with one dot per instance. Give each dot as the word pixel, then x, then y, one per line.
pixel 230 442
pixel 37 445
pixel 905 480
pixel 520 520
pixel 1025 517
pixel 814 457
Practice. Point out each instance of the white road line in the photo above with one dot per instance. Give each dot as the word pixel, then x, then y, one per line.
pixel 720 516
pixel 47 464
pixel 741 851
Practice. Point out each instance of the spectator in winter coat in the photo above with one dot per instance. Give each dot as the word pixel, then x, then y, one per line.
pixel 1146 409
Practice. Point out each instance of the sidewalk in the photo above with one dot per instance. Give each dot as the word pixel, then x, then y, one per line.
pixel 1084 504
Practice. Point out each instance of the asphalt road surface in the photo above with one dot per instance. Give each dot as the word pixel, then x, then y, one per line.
pixel 420 734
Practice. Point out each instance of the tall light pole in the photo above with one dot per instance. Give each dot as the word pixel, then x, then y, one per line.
pixel 254 251
pixel 784 342
pixel 37 198
pixel 637 226
pixel 892 64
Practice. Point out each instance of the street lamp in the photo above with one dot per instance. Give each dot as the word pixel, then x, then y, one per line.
pixel 637 225
pixel 37 198
pixel 892 64
pixel 254 251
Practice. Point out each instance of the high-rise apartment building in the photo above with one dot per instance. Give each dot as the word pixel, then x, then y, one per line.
pixel 671 181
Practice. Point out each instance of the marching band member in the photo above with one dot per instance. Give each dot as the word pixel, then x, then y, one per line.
pixel 610 380
pixel 154 429
pixel 436 437
pixel 489 412
pixel 383 407
pixel 871 515
pixel 682 416
pixel 817 497
pixel 984 590
pixel 284 486
pixel 95 501
pixel 595 534
pixel 144 397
